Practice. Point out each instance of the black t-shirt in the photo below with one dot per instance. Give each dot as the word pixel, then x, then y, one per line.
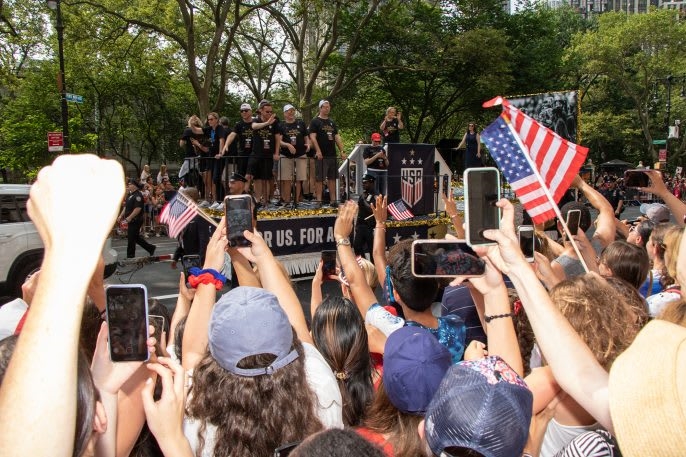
pixel 190 149
pixel 134 200
pixel 371 151
pixel 264 140
pixel 326 132
pixel 365 210
pixel 243 132
pixel 391 132
pixel 214 137
pixel 293 133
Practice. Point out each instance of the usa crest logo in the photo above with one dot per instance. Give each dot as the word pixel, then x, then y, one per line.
pixel 411 185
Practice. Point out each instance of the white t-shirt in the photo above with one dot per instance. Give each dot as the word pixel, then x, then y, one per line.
pixel 10 315
pixel 329 407
pixel 558 436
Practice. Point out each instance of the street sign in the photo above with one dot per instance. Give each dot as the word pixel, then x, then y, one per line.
pixel 662 155
pixel 74 98
pixel 659 141
pixel 55 142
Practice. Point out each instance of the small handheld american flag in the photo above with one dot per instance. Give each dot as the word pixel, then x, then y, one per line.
pixel 177 214
pixel 399 211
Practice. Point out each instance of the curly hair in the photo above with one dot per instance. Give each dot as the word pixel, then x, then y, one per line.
pixel 598 314
pixel 384 418
pixel 525 334
pixel 340 336
pixel 416 293
pixel 253 415
pixel 633 299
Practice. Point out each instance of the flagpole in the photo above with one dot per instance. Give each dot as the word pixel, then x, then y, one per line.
pixel 548 195
pixel 184 198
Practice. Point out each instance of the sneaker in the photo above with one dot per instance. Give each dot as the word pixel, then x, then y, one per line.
pixel 152 253
pixel 204 204
pixel 157 235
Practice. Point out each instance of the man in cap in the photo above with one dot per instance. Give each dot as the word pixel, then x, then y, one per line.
pixel 656 212
pixel 376 160
pixel 242 133
pixel 324 138
pixel 364 228
pixel 132 214
pixel 293 162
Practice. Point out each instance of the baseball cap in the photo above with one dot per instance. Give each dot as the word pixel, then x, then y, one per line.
pixel 414 364
pixel 248 321
pixel 321 102
pixel 376 136
pixel 264 102
pixel 656 212
pixel 648 394
pixel 246 106
pixel 369 178
pixel 288 107
pixel 237 177
pixel 483 405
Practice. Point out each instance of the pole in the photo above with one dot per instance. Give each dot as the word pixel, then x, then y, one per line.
pixel 59 26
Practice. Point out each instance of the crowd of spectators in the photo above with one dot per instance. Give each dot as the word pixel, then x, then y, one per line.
pixel 528 359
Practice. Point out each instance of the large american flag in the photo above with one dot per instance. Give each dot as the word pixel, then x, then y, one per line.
pixel 399 211
pixel 556 159
pixel 177 214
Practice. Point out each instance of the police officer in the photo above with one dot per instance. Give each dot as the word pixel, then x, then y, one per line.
pixel 133 215
pixel 364 228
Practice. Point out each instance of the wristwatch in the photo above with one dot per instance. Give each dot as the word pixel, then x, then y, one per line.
pixel 342 241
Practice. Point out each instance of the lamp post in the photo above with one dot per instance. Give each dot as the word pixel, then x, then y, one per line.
pixel 59 26
pixel 668 82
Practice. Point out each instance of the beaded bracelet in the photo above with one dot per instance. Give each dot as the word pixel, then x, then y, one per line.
pixel 497 316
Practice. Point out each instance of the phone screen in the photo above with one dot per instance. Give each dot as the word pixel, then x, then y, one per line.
pixel 527 241
pixel 127 320
pixel 238 218
pixel 636 178
pixel 573 217
pixel 446 185
pixel 445 258
pixel 190 261
pixel 482 191
pixel 329 263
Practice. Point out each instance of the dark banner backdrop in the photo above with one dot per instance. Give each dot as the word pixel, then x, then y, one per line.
pixel 559 111
pixel 411 176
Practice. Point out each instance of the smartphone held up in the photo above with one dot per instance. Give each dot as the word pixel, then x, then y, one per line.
pixel 481 193
pixel 238 211
pixel 445 259
pixel 127 321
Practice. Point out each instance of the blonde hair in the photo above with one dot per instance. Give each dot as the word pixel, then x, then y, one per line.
pixel 194 121
pixel 600 316
pixel 672 240
pixel 674 312
pixel 369 272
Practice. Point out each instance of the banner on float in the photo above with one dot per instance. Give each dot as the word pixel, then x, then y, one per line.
pixel 411 176
pixel 558 111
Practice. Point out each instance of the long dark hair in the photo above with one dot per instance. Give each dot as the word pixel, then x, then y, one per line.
pixel 339 335
pixel 253 415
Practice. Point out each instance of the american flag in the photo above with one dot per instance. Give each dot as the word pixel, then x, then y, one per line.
pixel 177 214
pixel 556 159
pixel 399 211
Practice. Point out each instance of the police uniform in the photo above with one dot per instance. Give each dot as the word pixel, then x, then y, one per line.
pixel 364 228
pixel 135 200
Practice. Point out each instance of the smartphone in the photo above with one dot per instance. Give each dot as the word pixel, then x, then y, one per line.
pixel 573 218
pixel 527 241
pixel 190 261
pixel 329 264
pixel 445 259
pixel 446 185
pixel 636 178
pixel 157 322
pixel 238 210
pixel 481 192
pixel 127 320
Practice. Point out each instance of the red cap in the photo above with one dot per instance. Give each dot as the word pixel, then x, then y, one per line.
pixel 376 137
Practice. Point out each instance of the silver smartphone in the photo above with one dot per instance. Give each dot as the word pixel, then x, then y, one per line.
pixel 481 192
pixel 527 241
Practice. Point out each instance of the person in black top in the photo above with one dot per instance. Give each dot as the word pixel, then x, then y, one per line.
pixel 242 136
pixel 215 132
pixel 364 228
pixel 195 236
pixel 324 138
pixel 293 160
pixel 391 125
pixel 376 160
pixel 193 142
pixel 472 141
pixel 266 145
pixel 133 215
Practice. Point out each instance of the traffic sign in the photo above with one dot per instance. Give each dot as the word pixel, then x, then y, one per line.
pixel 659 141
pixel 74 98
pixel 55 142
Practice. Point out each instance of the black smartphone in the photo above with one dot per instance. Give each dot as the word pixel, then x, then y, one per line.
pixel 329 264
pixel 573 218
pixel 286 449
pixel 527 241
pixel 481 192
pixel 127 320
pixel 445 258
pixel 446 185
pixel 636 178
pixel 238 210
pixel 190 261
